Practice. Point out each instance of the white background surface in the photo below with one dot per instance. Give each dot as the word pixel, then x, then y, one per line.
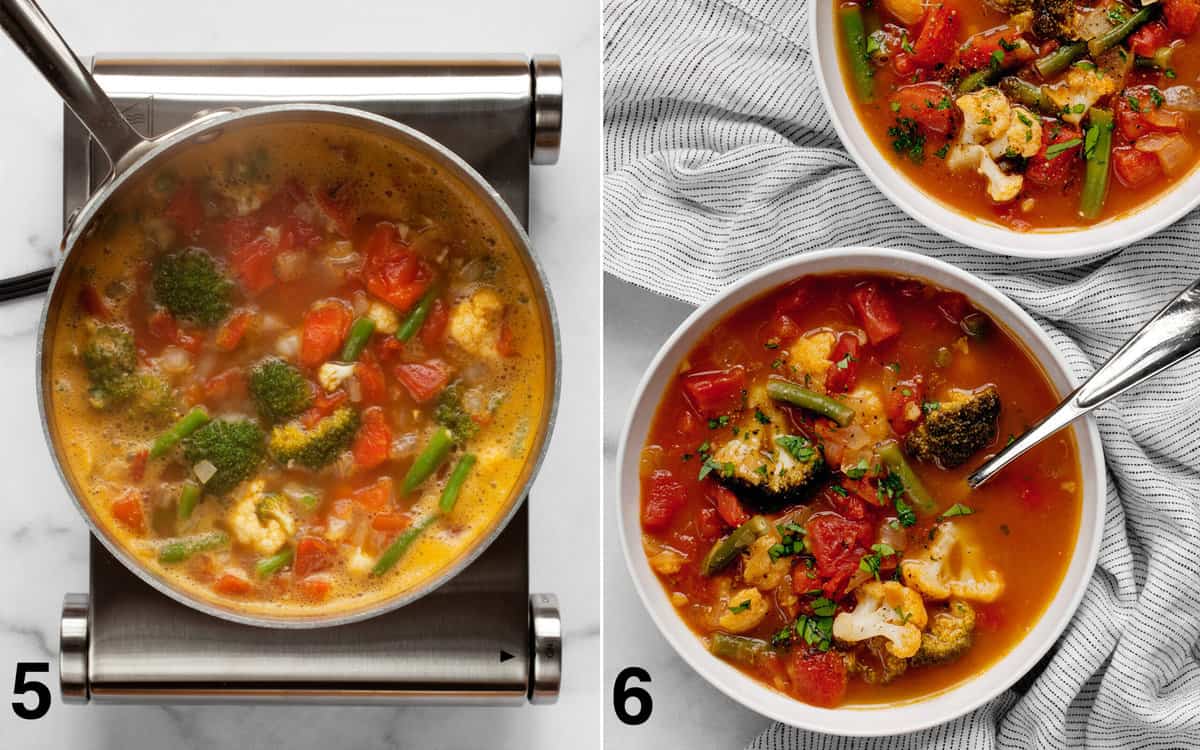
pixel 43 544
pixel 688 712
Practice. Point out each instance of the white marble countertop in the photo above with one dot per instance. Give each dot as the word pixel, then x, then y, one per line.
pixel 688 712
pixel 43 543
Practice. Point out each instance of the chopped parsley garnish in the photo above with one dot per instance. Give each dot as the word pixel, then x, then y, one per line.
pixel 720 421
pixel 1090 139
pixel 941 152
pixel 895 106
pixel 858 471
pixel 709 466
pixel 1156 98
pixel 760 417
pixel 997 59
pixel 958 509
pixel 870 563
pixel 904 512
pixel 791 541
pixel 772 344
pixel 840 490
pixel 845 361
pixel 797 446
pixel 1006 45
pixel 823 607
pixel 742 607
pixel 907 139
pixel 1133 102
pixel 1060 148
pixel 930 406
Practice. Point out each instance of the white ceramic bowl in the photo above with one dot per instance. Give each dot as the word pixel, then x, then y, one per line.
pixel 1105 236
pixel 874 720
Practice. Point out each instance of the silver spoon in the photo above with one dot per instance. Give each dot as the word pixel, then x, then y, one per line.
pixel 1170 337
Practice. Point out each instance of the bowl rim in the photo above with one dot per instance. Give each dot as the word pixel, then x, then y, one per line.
pixel 1108 236
pixel 908 716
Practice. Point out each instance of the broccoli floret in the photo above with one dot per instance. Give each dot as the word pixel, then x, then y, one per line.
pixel 153 396
pixel 872 662
pixel 233 446
pixel 450 413
pixel 766 465
pixel 317 446
pixel 110 359
pixel 1053 18
pixel 192 287
pixel 954 429
pixel 279 390
pixel 950 633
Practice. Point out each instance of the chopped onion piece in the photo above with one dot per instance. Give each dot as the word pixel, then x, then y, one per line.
pixel 288 345
pixel 1183 98
pixel 1173 151
pixel 204 471
pixel 175 360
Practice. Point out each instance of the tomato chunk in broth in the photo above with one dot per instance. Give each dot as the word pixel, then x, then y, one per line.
pixel 1047 114
pixel 804 501
pixel 299 372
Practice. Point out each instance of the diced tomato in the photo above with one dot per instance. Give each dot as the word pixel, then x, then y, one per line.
pixel 312 554
pixel 392 271
pixel 254 264
pixel 844 373
pixel 337 202
pixel 297 233
pixel 423 380
pixel 850 504
pixel 837 544
pixel 371 380
pixel 930 105
pixel 325 327
pixel 715 392
pixel 233 330
pixel 728 506
pixel 315 589
pixel 137 465
pixel 92 303
pixel 980 51
pixel 818 678
pixel 376 496
pixel 875 313
pixel 391 522
pixel 374 439
pixel 185 209
pixel 903 404
pixel 665 498
pixel 1135 168
pixel 239 231
pixel 504 342
pixel 781 329
pixel 226 384
pixel 433 330
pixel 323 405
pixel 1139 111
pixel 794 299
pixel 1146 40
pixel 938 38
pixel 232 584
pixel 1181 16
pixel 1047 172
pixel 952 305
pixel 989 617
pixel 709 523
pixel 163 328
pixel 129 511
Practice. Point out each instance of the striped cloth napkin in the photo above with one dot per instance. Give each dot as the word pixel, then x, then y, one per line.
pixel 720 158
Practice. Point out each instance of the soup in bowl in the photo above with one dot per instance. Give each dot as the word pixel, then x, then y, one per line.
pixel 794 498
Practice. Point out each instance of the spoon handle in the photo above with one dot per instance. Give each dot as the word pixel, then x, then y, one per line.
pixel 1169 337
pixel 28 27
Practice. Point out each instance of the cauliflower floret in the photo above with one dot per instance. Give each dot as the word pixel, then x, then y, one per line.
pixel 809 358
pixel 386 320
pixel 359 563
pixel 1001 187
pixel 746 609
pixel 261 521
pixel 1023 137
pixel 993 128
pixel 1084 86
pixel 331 375
pixel 667 561
pixel 475 323
pixel 952 566
pixel 758 569
pixel 986 115
pixel 887 610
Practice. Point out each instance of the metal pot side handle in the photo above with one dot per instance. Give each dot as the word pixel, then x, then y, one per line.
pixel 1168 338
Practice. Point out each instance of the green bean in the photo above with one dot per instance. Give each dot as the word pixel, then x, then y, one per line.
pixel 978 80
pixel 416 317
pixel 271 565
pixel 309 502
pixel 192 421
pixel 455 482
pixel 396 549
pixel 854 34
pixel 1160 61
pixel 181 548
pixel 737 648
pixel 1117 34
pixel 189 496
pixel 1097 148
pixel 796 395
pixel 726 549
pixel 429 459
pixel 356 341
pixel 1060 59
pixel 891 456
pixel 1028 95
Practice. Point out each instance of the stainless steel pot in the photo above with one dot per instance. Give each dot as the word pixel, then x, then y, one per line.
pixel 133 155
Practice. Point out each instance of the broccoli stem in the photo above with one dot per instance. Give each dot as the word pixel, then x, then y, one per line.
pixel 727 549
pixel 180 549
pixel 891 456
pixel 429 459
pixel 271 565
pixel 416 317
pixel 455 482
pixel 737 648
pixel 1117 34
pixel 791 393
pixel 1060 59
pixel 1095 176
pixel 854 34
pixel 192 421
pixel 189 496
pixel 356 341
pixel 396 549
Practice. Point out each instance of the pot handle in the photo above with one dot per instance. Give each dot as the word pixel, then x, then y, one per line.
pixel 28 27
